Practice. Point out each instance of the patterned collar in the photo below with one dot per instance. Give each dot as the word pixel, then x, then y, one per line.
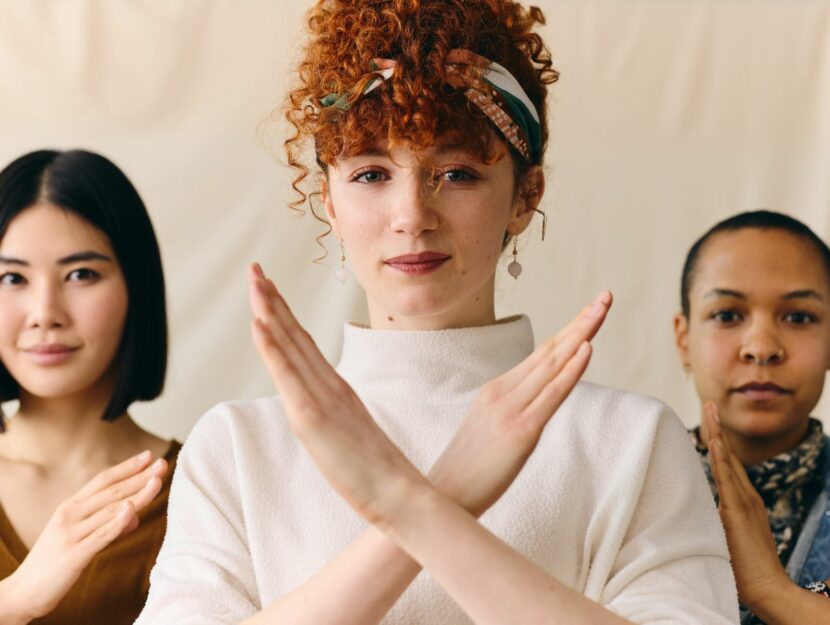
pixel 788 483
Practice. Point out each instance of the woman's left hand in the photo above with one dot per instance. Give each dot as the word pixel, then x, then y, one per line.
pixel 323 411
pixel 758 571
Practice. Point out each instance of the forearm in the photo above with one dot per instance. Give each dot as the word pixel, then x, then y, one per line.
pixel 489 580
pixel 12 606
pixel 793 605
pixel 358 587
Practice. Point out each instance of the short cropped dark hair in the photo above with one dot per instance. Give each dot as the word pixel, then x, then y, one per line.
pixel 92 187
pixel 761 220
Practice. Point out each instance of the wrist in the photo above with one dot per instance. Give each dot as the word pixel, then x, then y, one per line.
pixel 782 595
pixel 410 499
pixel 13 604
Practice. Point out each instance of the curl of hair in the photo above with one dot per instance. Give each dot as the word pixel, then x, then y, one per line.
pixel 416 106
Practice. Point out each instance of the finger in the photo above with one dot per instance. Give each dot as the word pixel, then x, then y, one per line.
pixel 547 402
pixel 582 328
pixel 290 385
pixel 117 473
pixel 297 345
pixel 549 365
pixel 121 490
pixel 724 478
pixel 105 533
pixel 270 307
pixel 711 422
pixel 136 502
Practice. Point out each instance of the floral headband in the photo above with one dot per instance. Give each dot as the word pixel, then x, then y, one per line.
pixel 496 92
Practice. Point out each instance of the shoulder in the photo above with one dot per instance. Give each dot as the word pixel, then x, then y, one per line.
pixel 237 418
pixel 616 405
pixel 234 429
pixel 613 421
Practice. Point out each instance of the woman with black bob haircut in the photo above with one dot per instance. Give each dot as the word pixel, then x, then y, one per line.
pixel 83 334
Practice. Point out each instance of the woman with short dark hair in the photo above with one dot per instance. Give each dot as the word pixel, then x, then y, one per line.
pixel 83 334
pixel 754 333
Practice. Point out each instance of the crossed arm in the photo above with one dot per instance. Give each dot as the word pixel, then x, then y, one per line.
pixel 416 520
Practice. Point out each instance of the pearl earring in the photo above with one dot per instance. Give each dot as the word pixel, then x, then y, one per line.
pixel 515 268
pixel 342 273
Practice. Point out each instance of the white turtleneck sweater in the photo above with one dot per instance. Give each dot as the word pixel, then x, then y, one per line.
pixel 613 501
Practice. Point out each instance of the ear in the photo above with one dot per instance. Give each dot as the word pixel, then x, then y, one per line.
pixel 328 204
pixel 681 338
pixel 531 190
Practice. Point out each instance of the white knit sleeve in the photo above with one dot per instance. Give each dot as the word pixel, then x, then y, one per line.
pixel 203 575
pixel 673 566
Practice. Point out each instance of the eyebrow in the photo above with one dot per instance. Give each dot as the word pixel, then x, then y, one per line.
pixel 440 150
pixel 77 257
pixel 799 294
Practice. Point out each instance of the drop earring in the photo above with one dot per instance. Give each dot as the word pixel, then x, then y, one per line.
pixel 342 273
pixel 515 268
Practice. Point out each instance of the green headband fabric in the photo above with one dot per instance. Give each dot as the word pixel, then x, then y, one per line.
pixel 498 94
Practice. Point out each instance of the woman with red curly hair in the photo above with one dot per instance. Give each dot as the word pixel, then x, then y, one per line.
pixel 427 447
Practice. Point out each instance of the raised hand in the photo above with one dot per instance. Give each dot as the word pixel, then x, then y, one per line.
pixel 758 570
pixel 323 411
pixel 509 413
pixel 104 509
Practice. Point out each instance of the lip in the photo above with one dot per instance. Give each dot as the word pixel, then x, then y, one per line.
pixel 417 264
pixel 761 391
pixel 48 354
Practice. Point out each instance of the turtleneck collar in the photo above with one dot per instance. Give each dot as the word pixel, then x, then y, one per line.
pixel 445 361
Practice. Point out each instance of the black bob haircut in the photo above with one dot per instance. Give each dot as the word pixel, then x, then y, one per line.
pixel 93 188
pixel 761 220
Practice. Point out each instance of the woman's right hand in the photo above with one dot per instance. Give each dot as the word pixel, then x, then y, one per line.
pixel 509 413
pixel 104 509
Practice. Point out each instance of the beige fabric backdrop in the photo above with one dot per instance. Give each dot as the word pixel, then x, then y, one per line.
pixel 669 115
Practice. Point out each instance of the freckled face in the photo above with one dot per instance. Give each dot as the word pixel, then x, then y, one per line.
pixel 758 334
pixel 63 302
pixel 423 236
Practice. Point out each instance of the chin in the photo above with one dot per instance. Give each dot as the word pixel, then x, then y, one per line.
pixel 764 424
pixel 419 303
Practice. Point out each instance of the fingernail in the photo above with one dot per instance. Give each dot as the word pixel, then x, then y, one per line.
pixel 144 455
pixel 258 270
pixel 158 464
pixel 600 304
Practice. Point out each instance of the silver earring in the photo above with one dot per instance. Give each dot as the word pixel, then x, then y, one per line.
pixel 342 273
pixel 515 268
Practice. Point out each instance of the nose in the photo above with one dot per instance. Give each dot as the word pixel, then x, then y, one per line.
pixel 761 345
pixel 46 307
pixel 413 208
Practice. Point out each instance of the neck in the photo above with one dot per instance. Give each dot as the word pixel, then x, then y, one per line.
pixel 67 432
pixel 477 311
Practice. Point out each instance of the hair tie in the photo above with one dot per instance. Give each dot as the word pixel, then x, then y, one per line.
pixel 495 92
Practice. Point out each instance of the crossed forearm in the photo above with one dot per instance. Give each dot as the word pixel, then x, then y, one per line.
pixel 358 587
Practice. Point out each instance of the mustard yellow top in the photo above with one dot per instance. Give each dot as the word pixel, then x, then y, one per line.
pixel 114 587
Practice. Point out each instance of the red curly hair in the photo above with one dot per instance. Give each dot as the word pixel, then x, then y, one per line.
pixel 416 106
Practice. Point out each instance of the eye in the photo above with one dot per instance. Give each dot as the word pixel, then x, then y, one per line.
pixel 368 176
pixel 12 279
pixel 799 318
pixel 725 317
pixel 455 174
pixel 82 275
